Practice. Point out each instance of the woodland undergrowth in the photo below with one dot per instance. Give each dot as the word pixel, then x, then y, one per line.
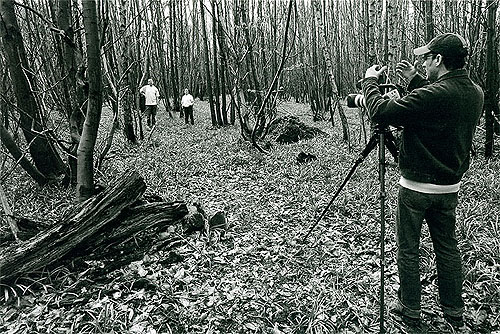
pixel 255 276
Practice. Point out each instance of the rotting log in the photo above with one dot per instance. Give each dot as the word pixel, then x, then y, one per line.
pixel 146 217
pixel 77 228
pixel 27 229
pixel 133 235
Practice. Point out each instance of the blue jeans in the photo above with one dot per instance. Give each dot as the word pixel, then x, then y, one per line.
pixel 438 210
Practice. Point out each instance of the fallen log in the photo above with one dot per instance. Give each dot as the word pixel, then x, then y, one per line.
pixel 78 227
pixel 136 231
pixel 150 218
pixel 27 229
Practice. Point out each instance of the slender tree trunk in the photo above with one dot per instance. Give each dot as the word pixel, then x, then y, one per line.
pixel 138 68
pixel 428 19
pixel 162 57
pixel 250 54
pixel 207 64
pixel 274 25
pixel 85 171
pixel 173 59
pixel 223 67
pixel 372 15
pixel 8 213
pixel 216 65
pixel 125 82
pixel 44 155
pixel 262 49
pixel 326 54
pixel 492 77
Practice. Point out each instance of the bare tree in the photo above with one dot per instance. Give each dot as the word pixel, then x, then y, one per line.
pixel 428 18
pixel 125 79
pixel 326 54
pixel 223 64
pixel 216 86
pixel 173 57
pixel 207 64
pixel 261 116
pixel 491 101
pixel 85 172
pixel 20 158
pixel 43 152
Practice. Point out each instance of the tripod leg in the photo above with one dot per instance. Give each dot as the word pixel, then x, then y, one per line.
pixel 368 148
pixel 381 156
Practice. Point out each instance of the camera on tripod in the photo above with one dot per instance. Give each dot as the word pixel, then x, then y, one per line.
pixel 388 91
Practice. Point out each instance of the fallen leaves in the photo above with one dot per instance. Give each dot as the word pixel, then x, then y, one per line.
pixel 258 276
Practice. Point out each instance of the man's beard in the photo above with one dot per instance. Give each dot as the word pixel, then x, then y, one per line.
pixel 432 76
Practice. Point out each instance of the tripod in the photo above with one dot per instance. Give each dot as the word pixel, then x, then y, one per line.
pixel 384 138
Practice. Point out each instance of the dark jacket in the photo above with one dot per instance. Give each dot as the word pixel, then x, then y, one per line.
pixel 438 120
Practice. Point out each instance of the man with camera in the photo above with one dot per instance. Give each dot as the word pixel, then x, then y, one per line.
pixel 439 117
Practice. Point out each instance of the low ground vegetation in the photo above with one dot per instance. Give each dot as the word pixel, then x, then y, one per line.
pixel 253 275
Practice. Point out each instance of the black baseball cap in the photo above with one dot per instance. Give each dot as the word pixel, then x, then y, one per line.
pixel 448 45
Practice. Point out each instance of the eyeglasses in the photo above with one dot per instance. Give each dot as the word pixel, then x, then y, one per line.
pixel 427 56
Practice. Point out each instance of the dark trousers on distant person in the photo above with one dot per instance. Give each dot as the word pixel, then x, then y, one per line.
pixel 188 114
pixel 438 210
pixel 151 114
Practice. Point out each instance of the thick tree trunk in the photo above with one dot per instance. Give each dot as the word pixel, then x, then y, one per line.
pixel 44 155
pixel 11 146
pixel 75 99
pixel 85 169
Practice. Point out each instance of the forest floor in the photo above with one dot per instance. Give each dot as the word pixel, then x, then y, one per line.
pixel 255 276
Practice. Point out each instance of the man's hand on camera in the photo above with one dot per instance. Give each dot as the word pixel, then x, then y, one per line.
pixel 375 71
pixel 407 70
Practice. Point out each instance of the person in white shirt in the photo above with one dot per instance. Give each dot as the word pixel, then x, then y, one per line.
pixel 152 95
pixel 187 106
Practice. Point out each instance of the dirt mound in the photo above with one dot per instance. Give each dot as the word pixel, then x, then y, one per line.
pixel 290 129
